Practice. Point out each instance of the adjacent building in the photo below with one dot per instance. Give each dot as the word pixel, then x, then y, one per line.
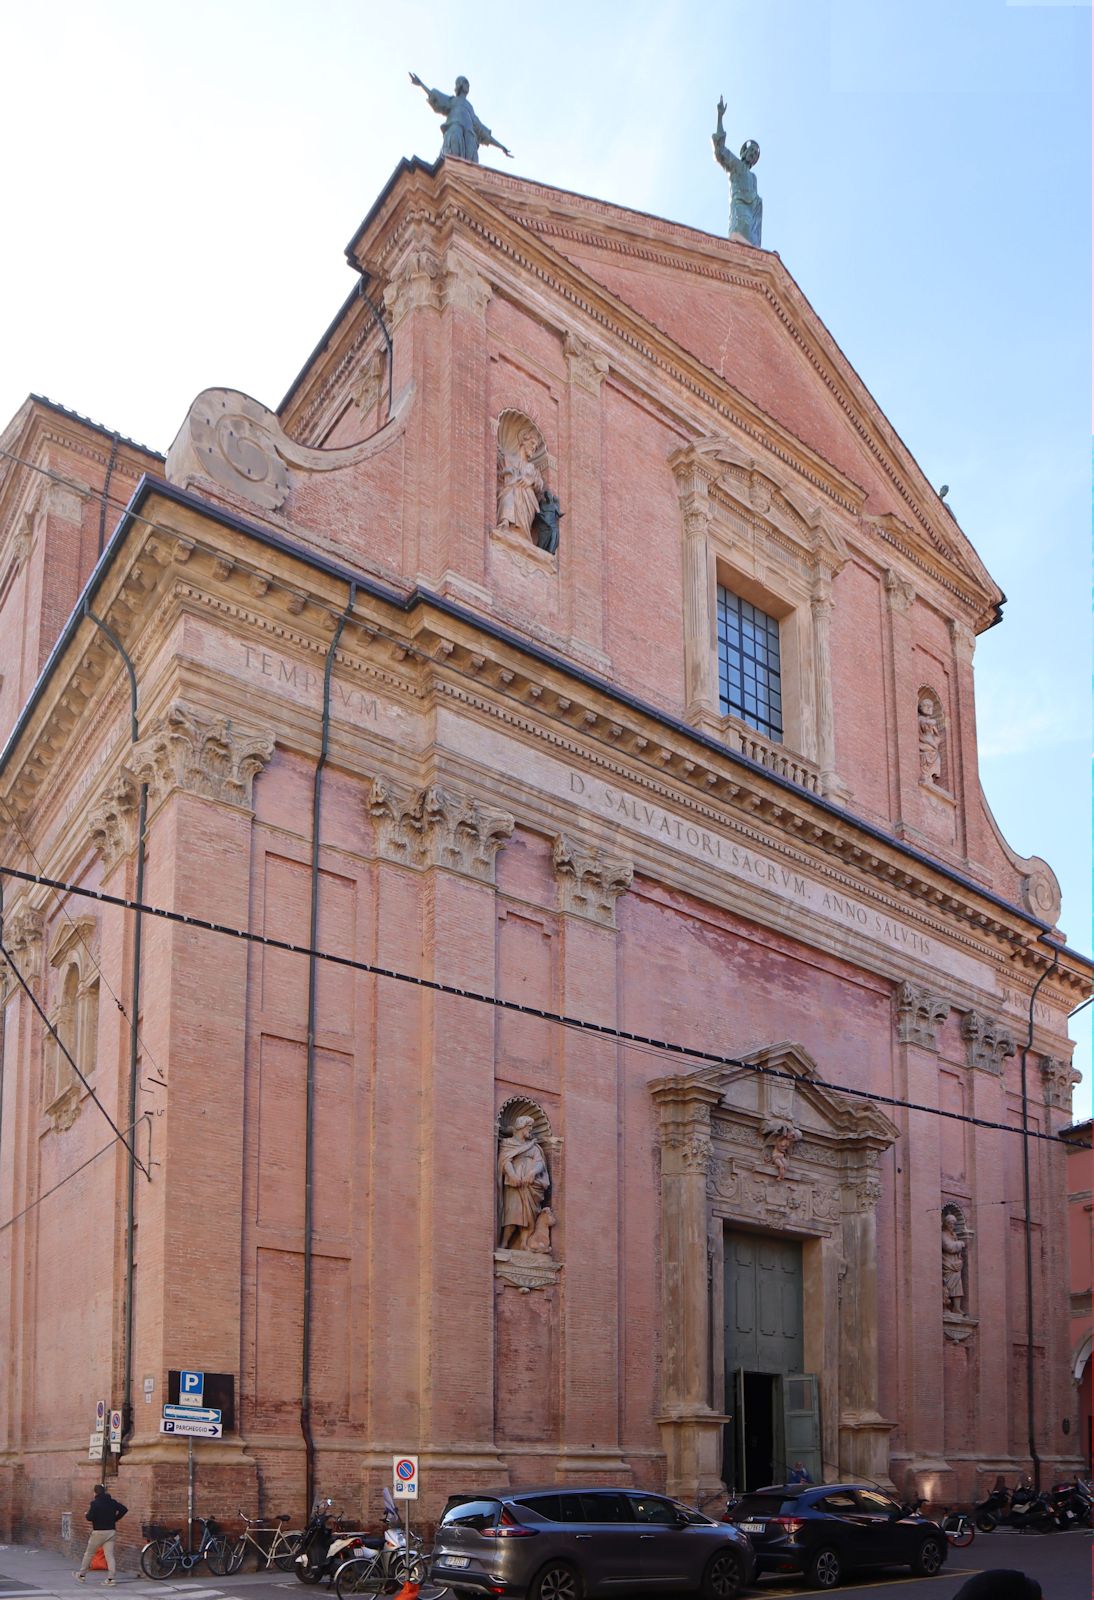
pixel 577 656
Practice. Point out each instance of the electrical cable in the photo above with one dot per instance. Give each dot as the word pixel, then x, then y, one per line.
pixel 75 1173
pixel 580 1024
pixel 13 819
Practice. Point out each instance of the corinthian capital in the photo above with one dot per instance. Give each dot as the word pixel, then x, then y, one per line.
pixel 588 366
pixel 919 1015
pixel 205 755
pixel 589 883
pixel 987 1042
pixel 1058 1078
pixel 111 820
pixel 438 827
pixel 23 930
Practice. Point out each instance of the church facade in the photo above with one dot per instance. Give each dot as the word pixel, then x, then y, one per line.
pixel 579 659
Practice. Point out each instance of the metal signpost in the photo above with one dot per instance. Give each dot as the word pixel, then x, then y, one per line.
pixel 191 1419
pixel 97 1443
pixel 116 1433
pixel 404 1474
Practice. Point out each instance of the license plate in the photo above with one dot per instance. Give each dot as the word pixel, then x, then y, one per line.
pixel 751 1527
pixel 455 1561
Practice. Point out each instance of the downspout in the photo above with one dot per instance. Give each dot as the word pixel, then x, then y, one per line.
pixel 1030 1410
pixel 134 1040
pixel 309 1096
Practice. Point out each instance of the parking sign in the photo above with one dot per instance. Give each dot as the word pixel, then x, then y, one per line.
pixel 404 1474
pixel 191 1388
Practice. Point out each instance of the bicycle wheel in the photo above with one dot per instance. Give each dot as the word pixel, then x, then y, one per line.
pixel 364 1575
pixel 286 1551
pixel 960 1531
pixel 160 1558
pixel 418 1572
pixel 219 1554
pixel 236 1553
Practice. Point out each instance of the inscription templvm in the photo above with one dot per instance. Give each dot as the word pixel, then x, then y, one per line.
pixel 746 863
pixel 294 675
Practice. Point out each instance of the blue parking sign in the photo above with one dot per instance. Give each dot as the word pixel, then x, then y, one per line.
pixel 191 1388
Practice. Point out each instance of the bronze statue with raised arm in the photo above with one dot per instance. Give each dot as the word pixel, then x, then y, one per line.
pixel 746 209
pixel 462 130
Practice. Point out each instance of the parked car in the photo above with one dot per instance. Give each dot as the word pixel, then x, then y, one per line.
pixel 563 1544
pixel 824 1530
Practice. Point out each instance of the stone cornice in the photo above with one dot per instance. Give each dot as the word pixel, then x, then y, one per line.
pixel 425 650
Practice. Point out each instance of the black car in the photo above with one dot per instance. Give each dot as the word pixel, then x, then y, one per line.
pixel 568 1543
pixel 824 1530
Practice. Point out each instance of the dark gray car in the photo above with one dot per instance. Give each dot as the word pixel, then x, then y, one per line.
pixel 562 1544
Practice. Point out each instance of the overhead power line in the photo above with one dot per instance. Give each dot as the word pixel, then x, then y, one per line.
pixel 579 1024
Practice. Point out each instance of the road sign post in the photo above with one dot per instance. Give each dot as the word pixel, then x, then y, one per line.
pixel 404 1475
pixel 115 1432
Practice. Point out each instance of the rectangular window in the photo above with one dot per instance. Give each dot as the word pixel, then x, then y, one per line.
pixel 749 677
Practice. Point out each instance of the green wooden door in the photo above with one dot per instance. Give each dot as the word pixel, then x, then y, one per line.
pixel 763 1305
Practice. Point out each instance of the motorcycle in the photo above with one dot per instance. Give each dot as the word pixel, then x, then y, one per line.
pixel 1031 1510
pixel 323 1547
pixel 1070 1504
pixel 990 1511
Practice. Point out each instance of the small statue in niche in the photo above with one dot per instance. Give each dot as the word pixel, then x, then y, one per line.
pixel 545 523
pixel 781 1139
pixel 525 1183
pixel 953 1264
pixel 525 504
pixel 746 209
pixel 930 740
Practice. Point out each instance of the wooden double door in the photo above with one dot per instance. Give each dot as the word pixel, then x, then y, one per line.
pixel 773 1405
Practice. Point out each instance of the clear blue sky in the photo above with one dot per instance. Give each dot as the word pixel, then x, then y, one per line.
pixel 186 176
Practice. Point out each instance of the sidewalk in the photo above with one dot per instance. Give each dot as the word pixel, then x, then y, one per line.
pixel 27 1573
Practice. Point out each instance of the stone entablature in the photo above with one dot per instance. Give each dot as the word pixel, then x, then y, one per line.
pixel 437 826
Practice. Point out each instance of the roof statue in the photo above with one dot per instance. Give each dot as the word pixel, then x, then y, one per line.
pixel 746 209
pixel 463 132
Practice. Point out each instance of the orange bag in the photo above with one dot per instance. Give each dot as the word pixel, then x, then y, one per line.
pixel 98 1561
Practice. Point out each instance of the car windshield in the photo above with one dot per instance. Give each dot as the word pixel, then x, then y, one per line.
pixel 473 1514
pixel 759 1505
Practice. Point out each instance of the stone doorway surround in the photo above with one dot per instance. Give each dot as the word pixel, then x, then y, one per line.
pixel 776 1151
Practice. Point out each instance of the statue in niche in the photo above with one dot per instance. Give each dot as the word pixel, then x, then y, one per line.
pixel 525 504
pixel 930 739
pixel 781 1139
pixel 953 1264
pixel 746 209
pixel 463 132
pixel 525 1184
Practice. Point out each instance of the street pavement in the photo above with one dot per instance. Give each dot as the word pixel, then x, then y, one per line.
pixel 1061 1562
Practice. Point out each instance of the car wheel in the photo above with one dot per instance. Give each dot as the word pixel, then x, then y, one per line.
pixel 556 1581
pixel 724 1577
pixel 825 1568
pixel 928 1558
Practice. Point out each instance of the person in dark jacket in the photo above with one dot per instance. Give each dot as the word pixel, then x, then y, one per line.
pixel 104 1513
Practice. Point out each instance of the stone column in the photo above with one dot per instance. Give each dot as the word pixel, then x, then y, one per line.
pixel 691 1430
pixel 589 886
pixel 703 704
pixel 582 536
pixel 200 769
pixel 864 1432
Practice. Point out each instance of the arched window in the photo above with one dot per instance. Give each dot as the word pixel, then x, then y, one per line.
pixel 74 1015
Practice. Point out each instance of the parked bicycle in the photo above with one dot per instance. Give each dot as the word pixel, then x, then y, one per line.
pixel 280 1550
pixel 164 1552
pixel 386 1565
pixel 958 1528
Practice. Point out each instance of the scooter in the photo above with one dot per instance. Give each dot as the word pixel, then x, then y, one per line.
pixel 1030 1510
pixel 993 1508
pixel 1070 1505
pixel 323 1548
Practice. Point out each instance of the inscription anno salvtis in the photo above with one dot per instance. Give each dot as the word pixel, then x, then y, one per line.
pixel 746 863
pixel 306 683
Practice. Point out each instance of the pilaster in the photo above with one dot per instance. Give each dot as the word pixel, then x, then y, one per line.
pixel 582 547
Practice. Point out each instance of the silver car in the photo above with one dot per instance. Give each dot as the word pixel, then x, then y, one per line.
pixel 563 1544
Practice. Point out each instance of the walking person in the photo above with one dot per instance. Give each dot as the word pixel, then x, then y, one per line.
pixel 104 1513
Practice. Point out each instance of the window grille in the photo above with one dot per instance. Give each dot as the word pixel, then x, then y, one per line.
pixel 749 674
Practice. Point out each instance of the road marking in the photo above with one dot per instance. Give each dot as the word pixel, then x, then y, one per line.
pixel 880 1583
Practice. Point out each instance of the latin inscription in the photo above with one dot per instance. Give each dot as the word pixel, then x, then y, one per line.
pixel 293 676
pixel 748 864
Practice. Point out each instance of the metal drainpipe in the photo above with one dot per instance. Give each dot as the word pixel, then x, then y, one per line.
pixel 1030 1412
pixel 134 1041
pixel 309 1098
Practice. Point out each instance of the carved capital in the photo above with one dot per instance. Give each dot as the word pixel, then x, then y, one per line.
pixel 1057 1081
pixel 684 1130
pixel 438 827
pixel 417 281
pixel 899 592
pixel 962 638
pixel 987 1042
pixel 863 1192
pixel 919 1015
pixel 369 383
pixel 23 930
pixel 465 288
pixel 207 756
pixel 589 884
pixel 111 820
pixel 588 366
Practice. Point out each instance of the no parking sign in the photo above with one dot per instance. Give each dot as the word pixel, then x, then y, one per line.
pixel 404 1473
